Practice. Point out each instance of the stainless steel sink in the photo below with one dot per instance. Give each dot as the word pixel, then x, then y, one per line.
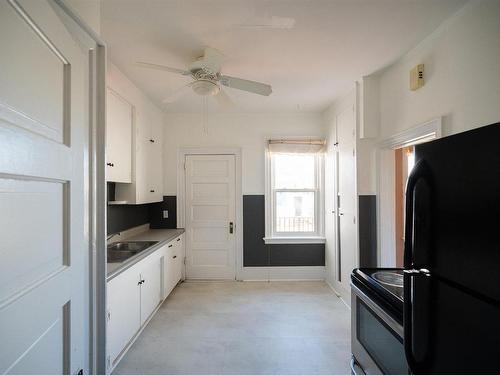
pixel 120 251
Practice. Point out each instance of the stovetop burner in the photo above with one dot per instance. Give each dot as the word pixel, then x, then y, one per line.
pixel 389 278
pixel 385 284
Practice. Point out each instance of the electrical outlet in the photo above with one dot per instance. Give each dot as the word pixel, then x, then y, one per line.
pixel 165 214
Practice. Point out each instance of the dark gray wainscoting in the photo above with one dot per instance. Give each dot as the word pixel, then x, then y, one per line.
pixel 257 254
pixel 367 207
pixel 123 217
pixel 156 213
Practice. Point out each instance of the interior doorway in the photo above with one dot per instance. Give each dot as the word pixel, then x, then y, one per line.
pixel 404 159
pixel 395 157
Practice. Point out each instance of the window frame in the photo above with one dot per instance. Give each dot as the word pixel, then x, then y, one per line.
pixel 274 237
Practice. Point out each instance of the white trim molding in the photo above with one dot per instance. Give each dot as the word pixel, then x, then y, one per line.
pixel 421 133
pixel 293 273
pixel 386 253
pixel 271 236
pixel 181 191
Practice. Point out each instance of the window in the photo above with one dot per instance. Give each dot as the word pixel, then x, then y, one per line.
pixel 294 197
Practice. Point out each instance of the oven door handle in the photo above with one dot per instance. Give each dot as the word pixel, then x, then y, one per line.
pixel 356 368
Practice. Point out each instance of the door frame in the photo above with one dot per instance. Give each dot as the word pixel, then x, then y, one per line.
pixel 385 165
pixel 238 194
pixel 96 194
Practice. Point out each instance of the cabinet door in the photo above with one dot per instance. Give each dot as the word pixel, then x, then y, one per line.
pixel 124 319
pixel 155 156
pixel 179 251
pixel 170 269
pixel 119 116
pixel 150 287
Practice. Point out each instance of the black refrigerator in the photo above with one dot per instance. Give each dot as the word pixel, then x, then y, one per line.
pixel 452 255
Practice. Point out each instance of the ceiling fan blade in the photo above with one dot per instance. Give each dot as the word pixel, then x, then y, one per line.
pixel 223 99
pixel 162 67
pixel 245 85
pixel 178 93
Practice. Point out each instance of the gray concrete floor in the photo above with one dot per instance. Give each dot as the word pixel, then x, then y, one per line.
pixel 244 328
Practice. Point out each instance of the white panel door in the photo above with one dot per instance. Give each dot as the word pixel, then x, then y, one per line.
pixel 44 245
pixel 119 121
pixel 346 198
pixel 210 217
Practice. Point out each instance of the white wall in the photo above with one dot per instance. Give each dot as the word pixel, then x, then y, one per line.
pixel 248 131
pixel 462 84
pixel 462 74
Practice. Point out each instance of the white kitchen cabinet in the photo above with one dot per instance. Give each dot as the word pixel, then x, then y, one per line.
pixel 147 181
pixel 173 264
pixel 150 275
pixel 132 297
pixel 124 312
pixel 119 124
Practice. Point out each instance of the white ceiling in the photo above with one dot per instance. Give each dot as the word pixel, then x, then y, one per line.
pixel 332 44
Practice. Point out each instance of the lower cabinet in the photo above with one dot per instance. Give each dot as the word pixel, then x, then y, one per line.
pixel 124 312
pixel 150 274
pixel 173 264
pixel 133 295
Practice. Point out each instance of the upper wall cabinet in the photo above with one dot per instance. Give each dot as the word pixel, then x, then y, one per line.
pixel 147 186
pixel 119 123
pixel 147 157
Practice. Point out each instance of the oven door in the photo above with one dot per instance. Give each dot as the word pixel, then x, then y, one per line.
pixel 376 338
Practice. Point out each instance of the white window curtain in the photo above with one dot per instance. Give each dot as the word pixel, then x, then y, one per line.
pixel 296 146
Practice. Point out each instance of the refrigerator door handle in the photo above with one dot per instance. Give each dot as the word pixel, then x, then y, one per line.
pixel 420 171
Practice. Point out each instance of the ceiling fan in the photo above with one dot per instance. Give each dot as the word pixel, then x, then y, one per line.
pixel 207 79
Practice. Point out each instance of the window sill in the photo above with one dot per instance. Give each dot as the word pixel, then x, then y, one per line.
pixel 293 240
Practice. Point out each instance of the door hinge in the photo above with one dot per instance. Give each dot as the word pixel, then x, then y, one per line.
pixel 184 165
pixel 184 260
pixel 108 315
pixel 108 361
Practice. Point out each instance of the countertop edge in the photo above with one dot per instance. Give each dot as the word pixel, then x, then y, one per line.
pixel 137 258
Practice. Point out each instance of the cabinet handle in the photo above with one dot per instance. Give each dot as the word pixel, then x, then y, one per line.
pixel 178 239
pixel 170 245
pixel 151 191
pixel 152 140
pixel 175 256
pixel 110 164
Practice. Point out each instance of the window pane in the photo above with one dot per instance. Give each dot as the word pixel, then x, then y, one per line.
pixel 294 171
pixel 294 211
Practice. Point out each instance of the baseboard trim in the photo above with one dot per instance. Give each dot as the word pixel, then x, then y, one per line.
pixel 299 273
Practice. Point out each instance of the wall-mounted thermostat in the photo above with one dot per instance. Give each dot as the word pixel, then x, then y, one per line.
pixel 417 77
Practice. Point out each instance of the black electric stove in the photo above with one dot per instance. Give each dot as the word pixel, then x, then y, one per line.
pixel 384 286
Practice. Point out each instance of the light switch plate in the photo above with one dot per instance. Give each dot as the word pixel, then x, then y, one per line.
pixel 165 214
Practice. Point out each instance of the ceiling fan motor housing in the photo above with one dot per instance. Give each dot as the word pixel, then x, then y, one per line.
pixel 205 87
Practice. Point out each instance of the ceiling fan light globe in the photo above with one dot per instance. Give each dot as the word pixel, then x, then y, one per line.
pixel 205 87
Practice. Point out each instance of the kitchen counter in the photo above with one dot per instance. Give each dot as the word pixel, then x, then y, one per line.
pixel 163 236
